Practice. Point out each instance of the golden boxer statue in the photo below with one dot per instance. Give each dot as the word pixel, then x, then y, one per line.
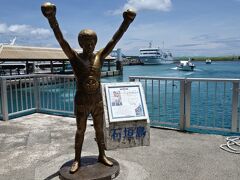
pixel 87 70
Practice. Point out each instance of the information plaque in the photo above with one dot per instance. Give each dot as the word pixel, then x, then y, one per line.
pixel 126 102
pixel 126 115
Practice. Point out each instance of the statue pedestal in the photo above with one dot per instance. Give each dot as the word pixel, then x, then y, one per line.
pixel 90 169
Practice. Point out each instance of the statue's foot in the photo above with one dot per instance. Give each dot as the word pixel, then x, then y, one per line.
pixel 75 166
pixel 103 159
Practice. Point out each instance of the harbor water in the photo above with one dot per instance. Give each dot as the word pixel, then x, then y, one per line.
pixel 221 69
pixel 210 106
pixel 210 103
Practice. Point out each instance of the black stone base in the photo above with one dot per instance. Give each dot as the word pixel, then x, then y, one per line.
pixel 90 169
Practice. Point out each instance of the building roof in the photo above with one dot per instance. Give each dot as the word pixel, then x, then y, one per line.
pixel 12 52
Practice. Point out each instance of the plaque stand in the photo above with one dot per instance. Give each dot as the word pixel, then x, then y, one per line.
pixel 90 169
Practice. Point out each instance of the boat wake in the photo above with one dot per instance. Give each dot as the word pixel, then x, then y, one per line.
pixel 198 70
pixel 175 68
pixel 188 73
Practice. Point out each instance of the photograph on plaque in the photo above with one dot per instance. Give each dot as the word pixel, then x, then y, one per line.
pixel 125 102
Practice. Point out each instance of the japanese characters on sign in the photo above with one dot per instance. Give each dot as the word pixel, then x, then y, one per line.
pixel 128 133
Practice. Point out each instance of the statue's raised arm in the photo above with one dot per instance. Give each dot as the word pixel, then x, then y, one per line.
pixel 128 17
pixel 49 11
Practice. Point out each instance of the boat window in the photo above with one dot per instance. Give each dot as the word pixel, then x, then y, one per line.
pixel 149 49
pixel 154 53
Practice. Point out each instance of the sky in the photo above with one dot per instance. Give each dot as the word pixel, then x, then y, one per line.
pixel 185 27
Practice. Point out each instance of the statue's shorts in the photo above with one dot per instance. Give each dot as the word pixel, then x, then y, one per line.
pixel 86 104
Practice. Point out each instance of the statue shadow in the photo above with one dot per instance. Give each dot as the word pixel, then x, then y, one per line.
pixel 52 176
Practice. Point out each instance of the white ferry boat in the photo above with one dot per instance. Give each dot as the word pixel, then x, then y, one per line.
pixel 152 55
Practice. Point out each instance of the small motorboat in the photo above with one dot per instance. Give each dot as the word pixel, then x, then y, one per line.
pixel 186 66
pixel 208 61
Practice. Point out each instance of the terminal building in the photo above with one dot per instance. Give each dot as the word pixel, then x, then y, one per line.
pixel 16 59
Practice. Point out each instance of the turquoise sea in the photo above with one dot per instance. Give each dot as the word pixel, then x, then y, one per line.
pixel 211 104
pixel 220 69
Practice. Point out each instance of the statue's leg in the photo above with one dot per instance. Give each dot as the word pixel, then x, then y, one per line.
pixel 81 118
pixel 98 126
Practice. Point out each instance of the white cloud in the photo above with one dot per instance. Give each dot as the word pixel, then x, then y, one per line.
pixel 19 28
pixel 181 41
pixel 26 34
pixel 24 30
pixel 40 32
pixel 158 5
pixel 3 28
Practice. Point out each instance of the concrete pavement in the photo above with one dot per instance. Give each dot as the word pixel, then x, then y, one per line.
pixel 35 147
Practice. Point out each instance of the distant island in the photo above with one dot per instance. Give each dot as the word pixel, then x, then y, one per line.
pixel 213 58
pixel 134 60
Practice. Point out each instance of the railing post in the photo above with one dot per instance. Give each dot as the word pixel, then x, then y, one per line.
pixel 235 106
pixel 4 99
pixel 36 93
pixel 131 79
pixel 182 105
pixel 187 103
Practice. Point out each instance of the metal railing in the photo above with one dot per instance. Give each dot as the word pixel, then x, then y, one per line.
pixel 182 103
pixel 56 94
pixel 208 104
pixel 16 95
pixel 36 93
